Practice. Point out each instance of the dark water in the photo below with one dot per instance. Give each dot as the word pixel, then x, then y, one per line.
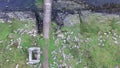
pixel 21 5
pixel 104 6
pixel 13 5
pixel 101 2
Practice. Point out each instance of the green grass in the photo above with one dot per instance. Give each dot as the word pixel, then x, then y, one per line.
pixel 15 56
pixel 90 52
pixel 4 31
pixel 102 56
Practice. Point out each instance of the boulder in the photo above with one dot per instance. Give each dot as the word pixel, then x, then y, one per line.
pixel 71 20
pixel 67 5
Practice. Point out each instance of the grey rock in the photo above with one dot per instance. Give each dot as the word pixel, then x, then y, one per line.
pixel 21 15
pixel 1 41
pixel 101 17
pixel 60 36
pixel 71 20
pixel 68 5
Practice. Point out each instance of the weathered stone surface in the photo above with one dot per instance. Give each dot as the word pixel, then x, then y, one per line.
pixel 67 5
pixel 9 16
pixel 69 10
pixel 71 20
pixel 87 15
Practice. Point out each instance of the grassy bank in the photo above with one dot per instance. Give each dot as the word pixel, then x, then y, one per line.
pixel 92 44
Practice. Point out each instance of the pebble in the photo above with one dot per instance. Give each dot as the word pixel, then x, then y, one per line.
pixel 103 44
pixel 114 38
pixel 105 33
pixel 116 42
pixel 7 60
pixel 60 36
pixel 1 42
pixel 17 66
pixel 10 49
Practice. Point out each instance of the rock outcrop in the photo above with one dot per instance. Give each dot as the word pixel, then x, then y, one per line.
pixel 67 12
pixel 21 15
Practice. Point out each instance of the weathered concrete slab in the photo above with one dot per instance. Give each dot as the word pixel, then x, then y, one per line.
pixel 34 55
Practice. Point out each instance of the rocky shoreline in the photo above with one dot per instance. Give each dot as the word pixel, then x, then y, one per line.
pixel 20 15
pixel 65 12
